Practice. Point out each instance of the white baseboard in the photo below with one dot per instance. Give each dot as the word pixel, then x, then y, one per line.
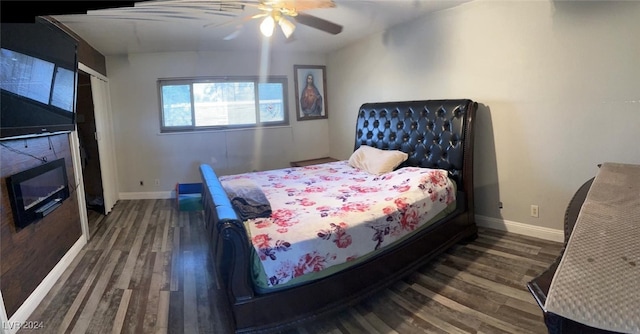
pixel 520 228
pixel 30 304
pixel 147 195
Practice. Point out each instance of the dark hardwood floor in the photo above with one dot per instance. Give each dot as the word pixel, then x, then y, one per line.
pixel 145 271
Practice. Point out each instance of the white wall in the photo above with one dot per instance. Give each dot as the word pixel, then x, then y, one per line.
pixel 145 154
pixel 558 84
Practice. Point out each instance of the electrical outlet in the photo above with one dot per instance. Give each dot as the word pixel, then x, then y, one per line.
pixel 499 205
pixel 157 182
pixel 534 211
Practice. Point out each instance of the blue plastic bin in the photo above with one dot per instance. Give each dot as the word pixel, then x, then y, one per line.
pixel 189 196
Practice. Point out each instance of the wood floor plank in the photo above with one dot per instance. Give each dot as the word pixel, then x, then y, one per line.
pixel 504 235
pixel 140 284
pixel 461 291
pixel 63 296
pixel 508 248
pixel 484 283
pixel 87 285
pixel 164 243
pixel 165 280
pixel 160 220
pixel 153 299
pixel 176 312
pixel 493 273
pixel 526 306
pixel 129 228
pixel 467 256
pixel 496 322
pixel 508 255
pixel 424 314
pixel 362 321
pixel 65 277
pixel 519 317
pixel 395 317
pixel 509 244
pixel 456 318
pixel 123 306
pixel 190 297
pixel 125 278
pixel 175 261
pixel 349 325
pixel 162 323
pixel 95 296
pixel 147 270
pixel 107 307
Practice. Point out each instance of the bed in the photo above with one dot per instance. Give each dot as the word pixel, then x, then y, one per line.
pixel 436 139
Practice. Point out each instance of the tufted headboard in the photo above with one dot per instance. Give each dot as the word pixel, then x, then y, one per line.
pixel 435 133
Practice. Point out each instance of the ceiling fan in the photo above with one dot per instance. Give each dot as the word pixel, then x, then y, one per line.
pixel 272 13
pixel 282 12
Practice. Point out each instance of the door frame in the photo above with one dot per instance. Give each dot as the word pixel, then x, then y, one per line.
pixel 106 149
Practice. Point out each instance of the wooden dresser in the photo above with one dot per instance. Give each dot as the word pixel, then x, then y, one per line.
pixel 309 162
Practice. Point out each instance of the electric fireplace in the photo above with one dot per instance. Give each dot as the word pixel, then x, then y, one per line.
pixel 36 192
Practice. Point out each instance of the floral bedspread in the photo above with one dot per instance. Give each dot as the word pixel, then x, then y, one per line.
pixel 328 214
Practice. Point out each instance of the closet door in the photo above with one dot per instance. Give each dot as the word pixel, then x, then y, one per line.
pixel 104 136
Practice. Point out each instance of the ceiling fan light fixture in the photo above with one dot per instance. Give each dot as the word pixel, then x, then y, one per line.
pixel 287 27
pixel 267 26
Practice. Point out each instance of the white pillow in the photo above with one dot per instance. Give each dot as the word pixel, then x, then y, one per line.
pixel 376 161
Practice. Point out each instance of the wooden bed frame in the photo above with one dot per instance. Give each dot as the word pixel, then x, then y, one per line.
pixel 435 133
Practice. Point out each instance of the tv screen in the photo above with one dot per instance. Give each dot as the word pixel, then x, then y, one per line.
pixel 38 79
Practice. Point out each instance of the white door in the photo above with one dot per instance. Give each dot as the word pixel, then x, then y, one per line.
pixel 104 137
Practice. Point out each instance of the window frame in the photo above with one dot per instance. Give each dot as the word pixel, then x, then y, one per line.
pixel 281 79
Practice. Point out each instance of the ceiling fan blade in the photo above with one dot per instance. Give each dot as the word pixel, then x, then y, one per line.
pixel 257 16
pixel 287 27
pixel 238 20
pixel 302 5
pixel 318 23
pixel 234 34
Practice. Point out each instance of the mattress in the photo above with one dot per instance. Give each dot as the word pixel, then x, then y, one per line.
pixel 597 280
pixel 330 216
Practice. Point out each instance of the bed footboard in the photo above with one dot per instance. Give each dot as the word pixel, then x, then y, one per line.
pixel 253 312
pixel 228 239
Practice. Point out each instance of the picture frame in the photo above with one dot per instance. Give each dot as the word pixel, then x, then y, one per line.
pixel 311 92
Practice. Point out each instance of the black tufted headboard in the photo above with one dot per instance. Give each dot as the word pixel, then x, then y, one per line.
pixel 435 133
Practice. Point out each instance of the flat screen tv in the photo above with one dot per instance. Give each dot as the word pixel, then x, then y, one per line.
pixel 38 79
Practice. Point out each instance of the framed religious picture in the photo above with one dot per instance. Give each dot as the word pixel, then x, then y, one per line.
pixel 311 92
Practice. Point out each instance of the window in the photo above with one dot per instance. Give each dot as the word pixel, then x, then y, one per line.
pixel 220 103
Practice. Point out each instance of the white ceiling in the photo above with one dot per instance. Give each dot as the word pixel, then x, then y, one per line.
pixel 199 25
